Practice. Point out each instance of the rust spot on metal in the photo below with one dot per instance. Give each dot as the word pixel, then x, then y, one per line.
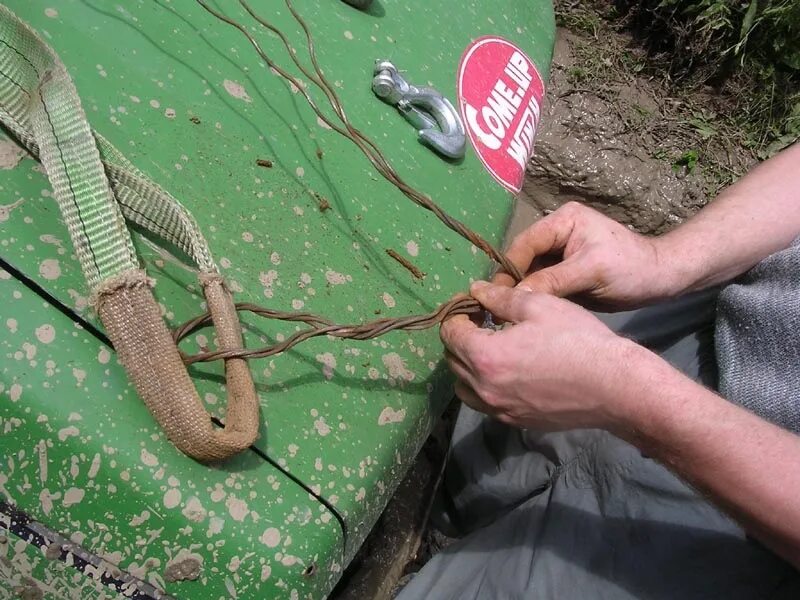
pixel 412 268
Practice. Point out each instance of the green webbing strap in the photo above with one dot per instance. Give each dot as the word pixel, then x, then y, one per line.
pixel 93 183
pixel 95 186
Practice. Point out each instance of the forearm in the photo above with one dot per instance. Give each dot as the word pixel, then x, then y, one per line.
pixel 755 217
pixel 745 465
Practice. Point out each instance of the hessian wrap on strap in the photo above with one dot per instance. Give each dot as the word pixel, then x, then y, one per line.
pixel 97 189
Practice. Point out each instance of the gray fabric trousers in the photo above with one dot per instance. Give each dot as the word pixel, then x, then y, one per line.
pixel 582 514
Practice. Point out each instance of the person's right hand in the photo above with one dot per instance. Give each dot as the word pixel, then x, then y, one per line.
pixel 603 264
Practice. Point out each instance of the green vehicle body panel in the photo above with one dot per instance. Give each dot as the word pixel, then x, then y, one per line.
pixel 190 104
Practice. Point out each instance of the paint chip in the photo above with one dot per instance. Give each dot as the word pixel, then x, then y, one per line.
pixel 271 537
pixel 236 89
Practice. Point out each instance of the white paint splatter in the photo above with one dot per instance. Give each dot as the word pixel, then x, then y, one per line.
pixel 147 458
pixel 103 356
pixel 50 269
pixel 194 510
pixel 94 467
pixel 46 500
pixel 300 171
pixel 328 361
pixel 388 300
pixel 66 432
pixel 237 508
pixel 12 325
pixel 73 496
pixel 50 12
pixel 172 498
pixel 137 520
pixel 412 248
pixel 396 366
pixel 271 537
pixel 79 375
pixel 10 154
pixel 348 34
pixel 322 427
pixel 390 415
pixel 335 278
pixel 45 333
pixel 236 89
pixel 5 210
pixel 215 525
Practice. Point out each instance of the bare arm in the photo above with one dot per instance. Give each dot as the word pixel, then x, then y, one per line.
pixel 753 218
pixel 558 367
pixel 747 466
pixel 606 265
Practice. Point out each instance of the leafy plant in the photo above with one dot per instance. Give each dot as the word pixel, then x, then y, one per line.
pixel 688 160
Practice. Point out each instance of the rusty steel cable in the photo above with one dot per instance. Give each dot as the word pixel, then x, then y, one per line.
pixel 320 326
pixel 364 143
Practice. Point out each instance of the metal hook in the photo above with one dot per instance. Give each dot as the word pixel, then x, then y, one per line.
pixel 437 121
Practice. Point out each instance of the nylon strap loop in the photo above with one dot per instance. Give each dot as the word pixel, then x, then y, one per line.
pixel 96 188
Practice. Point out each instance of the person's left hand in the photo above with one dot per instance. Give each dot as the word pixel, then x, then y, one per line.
pixel 554 367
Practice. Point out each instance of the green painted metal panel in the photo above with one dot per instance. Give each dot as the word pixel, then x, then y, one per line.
pixel 82 457
pixel 190 104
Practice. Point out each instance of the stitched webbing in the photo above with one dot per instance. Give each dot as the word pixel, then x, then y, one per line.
pixel 93 183
pixel 95 186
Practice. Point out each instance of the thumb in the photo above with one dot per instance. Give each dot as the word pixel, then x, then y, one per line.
pixel 563 279
pixel 509 304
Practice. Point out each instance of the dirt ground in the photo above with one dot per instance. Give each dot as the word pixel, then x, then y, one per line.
pixel 620 142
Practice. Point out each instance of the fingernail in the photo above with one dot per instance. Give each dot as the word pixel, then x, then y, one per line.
pixel 524 288
pixel 479 285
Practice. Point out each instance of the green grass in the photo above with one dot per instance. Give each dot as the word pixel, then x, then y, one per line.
pixel 747 48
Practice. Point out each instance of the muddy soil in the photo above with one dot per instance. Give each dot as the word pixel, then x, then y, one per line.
pixel 589 148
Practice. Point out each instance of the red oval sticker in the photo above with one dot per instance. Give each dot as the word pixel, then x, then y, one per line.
pixel 500 94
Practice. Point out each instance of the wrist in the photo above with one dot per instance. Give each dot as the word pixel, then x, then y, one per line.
pixel 676 271
pixel 635 404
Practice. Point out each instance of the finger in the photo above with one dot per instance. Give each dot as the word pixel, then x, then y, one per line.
pixel 509 304
pixel 549 234
pixel 572 276
pixel 461 336
pixel 468 396
pixel 459 368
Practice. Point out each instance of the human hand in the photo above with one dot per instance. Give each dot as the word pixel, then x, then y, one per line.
pixel 555 367
pixel 604 265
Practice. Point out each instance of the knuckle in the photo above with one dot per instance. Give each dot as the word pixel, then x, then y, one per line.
pixel 484 362
pixel 505 419
pixel 573 207
pixel 491 399
pixel 548 281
